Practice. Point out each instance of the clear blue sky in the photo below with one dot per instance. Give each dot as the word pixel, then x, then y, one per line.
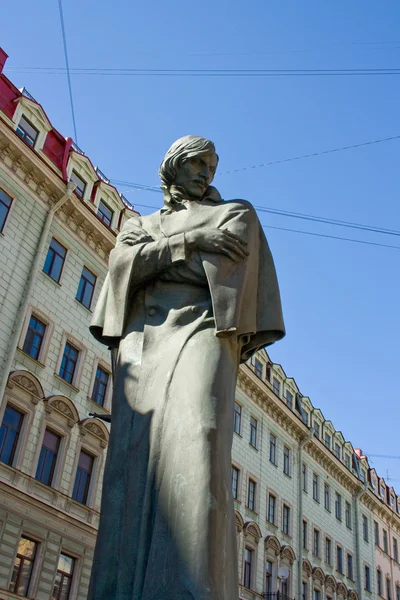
pixel 341 300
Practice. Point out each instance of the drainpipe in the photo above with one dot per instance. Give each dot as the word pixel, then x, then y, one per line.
pixel 30 282
pixel 356 498
pixel 302 443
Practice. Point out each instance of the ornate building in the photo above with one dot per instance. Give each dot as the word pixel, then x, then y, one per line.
pixel 59 217
pixel 314 522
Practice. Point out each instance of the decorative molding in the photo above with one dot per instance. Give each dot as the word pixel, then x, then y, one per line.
pixel 289 553
pixel 96 428
pixel 63 406
pixel 239 521
pixel 318 574
pixel 272 542
pixel 28 382
pixel 252 529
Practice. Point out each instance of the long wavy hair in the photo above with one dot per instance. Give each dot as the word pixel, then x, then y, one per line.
pixel 183 149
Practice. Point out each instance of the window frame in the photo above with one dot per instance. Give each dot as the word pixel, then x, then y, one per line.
pixel 7 193
pixel 316 549
pixel 276 386
pixel 69 576
pixel 253 432
pixel 286 515
pixel 248 572
pixel 107 399
pixel 338 506
pixel 64 259
pixel 235 413
pixel 328 550
pixel 85 183
pixel 251 500
pixel 86 283
pixel 327 497
pixel 339 559
pixel 365 525
pixel 84 501
pixel 272 497
pixel 258 368
pixel 21 566
pixel 49 323
pixel 17 438
pixel 347 513
pixel 286 461
pixel 367 578
pixel 100 213
pixel 55 460
pixel 316 489
pixel 237 480
pixel 26 134
pixel 77 344
pixel 304 476
pixel 273 446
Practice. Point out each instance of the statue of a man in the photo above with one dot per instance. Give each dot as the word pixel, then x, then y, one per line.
pixel 191 292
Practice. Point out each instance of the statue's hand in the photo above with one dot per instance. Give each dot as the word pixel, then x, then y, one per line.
pixel 220 241
pixel 131 238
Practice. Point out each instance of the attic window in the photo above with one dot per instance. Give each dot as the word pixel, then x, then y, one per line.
pixel 80 184
pixel 27 131
pixel 105 213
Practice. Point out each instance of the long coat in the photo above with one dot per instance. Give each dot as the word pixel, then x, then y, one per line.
pixel 180 325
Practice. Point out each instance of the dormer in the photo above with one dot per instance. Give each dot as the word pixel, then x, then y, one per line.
pixel 31 122
pixel 307 410
pixel 108 204
pixel 338 444
pixel 317 422
pixel 329 432
pixel 382 489
pixel 374 480
pixel 290 390
pixel 81 171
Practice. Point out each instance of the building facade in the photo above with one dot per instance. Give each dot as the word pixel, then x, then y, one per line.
pixel 314 522
pixel 59 218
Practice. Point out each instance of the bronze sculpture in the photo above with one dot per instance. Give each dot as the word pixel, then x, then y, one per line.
pixel 191 292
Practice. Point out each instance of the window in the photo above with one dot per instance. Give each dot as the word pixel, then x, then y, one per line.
pixel 365 528
pixel 253 432
pixel 328 551
pixel 316 542
pixel 327 497
pixel 68 363
pixel 362 474
pixel 23 566
pixel 80 184
pixel 317 594
pixel 316 429
pixel 385 540
pixel 86 287
pixel 327 439
pixel 268 577
pixel 251 495
pixel 235 482
pixel 395 550
pixel 315 487
pixel 271 508
pixel 376 529
pixel 338 507
pixel 82 478
pixel 349 566
pixel 63 580
pixel 48 457
pixel 272 448
pixel 381 490
pixel 9 434
pixel 289 400
pixel 304 477
pixel 258 368
pixel 5 205
pixel 286 460
pixel 347 461
pixel 339 559
pixel 337 450
pixel 100 386
pixel 304 591
pixel 276 386
pixel 348 515
pixel 105 213
pixel 27 131
pixel 367 579
pixel 248 564
pixel 379 581
pixel 53 265
pixel 286 519
pixel 388 589
pixel 237 420
pixel 305 535
pixel 34 337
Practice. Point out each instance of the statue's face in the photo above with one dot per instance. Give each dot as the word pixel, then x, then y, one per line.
pixel 195 174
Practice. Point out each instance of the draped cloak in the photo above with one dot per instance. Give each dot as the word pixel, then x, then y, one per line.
pixel 179 323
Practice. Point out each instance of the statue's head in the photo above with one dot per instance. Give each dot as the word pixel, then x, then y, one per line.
pixel 189 164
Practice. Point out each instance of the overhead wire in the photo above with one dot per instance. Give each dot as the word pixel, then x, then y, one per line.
pixel 67 69
pixel 208 72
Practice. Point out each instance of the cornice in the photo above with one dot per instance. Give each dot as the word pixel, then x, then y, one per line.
pixel 381 510
pixel 261 395
pixel 264 397
pixel 37 178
